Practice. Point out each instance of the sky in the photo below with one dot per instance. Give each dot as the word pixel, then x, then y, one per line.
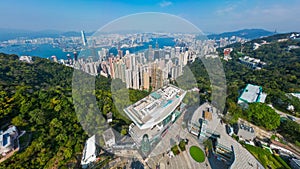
pixel 211 16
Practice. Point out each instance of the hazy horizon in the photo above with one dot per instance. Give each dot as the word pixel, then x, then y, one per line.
pixel 90 15
pixel 93 31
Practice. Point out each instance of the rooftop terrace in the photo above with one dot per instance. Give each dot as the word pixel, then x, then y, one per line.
pixel 154 108
pixel 252 94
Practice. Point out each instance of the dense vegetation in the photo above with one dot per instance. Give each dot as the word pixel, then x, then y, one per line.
pixel 266 158
pixel 37 97
pixel 263 115
pixel 279 77
pixel 290 130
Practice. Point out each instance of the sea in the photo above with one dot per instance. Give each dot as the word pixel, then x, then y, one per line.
pixel 47 50
pixel 43 51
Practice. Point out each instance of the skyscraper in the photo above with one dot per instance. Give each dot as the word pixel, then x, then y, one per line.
pixel 75 56
pixel 69 59
pixel 112 68
pixel 157 77
pixel 132 62
pixel 153 75
pixel 120 70
pixel 150 53
pixel 120 53
pixel 84 41
pixel 185 58
pixel 156 45
pixel 146 80
pixel 175 72
pixel 128 75
pixel 135 79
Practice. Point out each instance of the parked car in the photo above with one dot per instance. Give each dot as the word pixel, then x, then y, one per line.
pixel 291 118
pixel 229 129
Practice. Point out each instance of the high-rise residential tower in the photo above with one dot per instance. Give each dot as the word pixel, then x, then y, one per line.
pixel 84 41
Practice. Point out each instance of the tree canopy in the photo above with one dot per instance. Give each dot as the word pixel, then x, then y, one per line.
pixel 262 115
pixel 37 97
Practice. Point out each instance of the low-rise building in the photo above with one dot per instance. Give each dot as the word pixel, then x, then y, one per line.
pixel 295 36
pixel 8 140
pixel 224 152
pixel 251 94
pixel 202 123
pixel 109 117
pixel 89 155
pixel 227 52
pixel 154 114
pixel 252 62
pixel 27 59
pixel 109 137
pixel 296 95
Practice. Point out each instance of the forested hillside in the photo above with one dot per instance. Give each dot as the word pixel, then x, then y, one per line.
pixel 37 97
pixel 280 76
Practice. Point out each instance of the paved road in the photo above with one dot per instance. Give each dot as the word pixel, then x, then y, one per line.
pixel 282 114
pixel 243 158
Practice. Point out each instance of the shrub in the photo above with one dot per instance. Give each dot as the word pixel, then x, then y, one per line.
pixel 182 145
pixel 175 150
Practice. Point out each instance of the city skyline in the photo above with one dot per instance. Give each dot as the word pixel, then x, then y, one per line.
pixel 213 16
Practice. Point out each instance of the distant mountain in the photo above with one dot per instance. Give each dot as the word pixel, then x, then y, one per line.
pixel 245 33
pixel 6 34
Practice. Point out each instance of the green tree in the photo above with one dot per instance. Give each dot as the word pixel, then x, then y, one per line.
pixel 290 130
pixel 123 132
pixel 262 115
pixel 18 121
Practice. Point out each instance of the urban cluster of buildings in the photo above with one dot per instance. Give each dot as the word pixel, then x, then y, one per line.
pixel 150 68
pixel 145 69
pixel 231 40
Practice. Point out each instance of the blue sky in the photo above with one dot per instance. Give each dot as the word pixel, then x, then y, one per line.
pixel 209 16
